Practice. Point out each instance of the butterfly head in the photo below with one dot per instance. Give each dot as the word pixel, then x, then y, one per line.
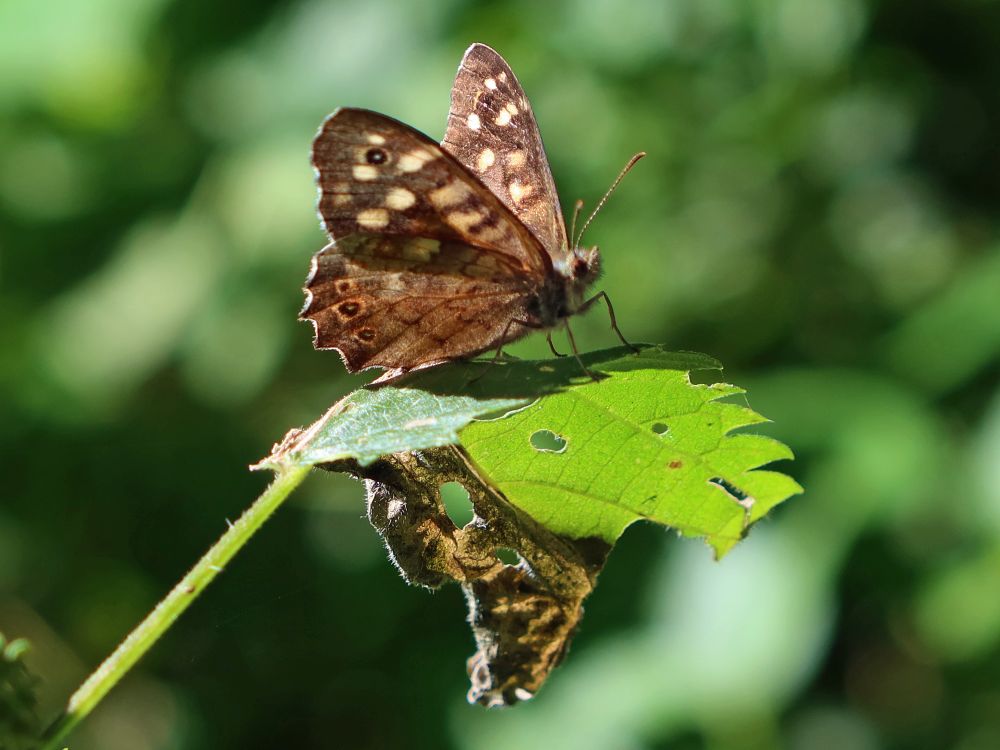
pixel 584 266
pixel 579 270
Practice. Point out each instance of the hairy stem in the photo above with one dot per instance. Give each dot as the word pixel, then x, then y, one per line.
pixel 157 622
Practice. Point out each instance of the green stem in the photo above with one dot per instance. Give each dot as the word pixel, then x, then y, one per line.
pixel 139 641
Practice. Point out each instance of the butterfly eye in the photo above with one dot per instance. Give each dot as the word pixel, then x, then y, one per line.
pixel 375 156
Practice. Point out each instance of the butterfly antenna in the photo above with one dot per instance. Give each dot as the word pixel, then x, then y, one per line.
pixel 600 203
pixel 576 212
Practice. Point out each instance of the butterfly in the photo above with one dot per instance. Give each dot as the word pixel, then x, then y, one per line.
pixel 442 252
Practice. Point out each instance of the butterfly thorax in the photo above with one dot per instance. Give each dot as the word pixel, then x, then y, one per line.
pixel 565 292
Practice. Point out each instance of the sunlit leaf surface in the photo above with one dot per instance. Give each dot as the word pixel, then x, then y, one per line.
pixel 641 443
pixel 584 455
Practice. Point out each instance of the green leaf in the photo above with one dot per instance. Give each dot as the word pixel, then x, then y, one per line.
pixel 376 421
pixel 643 442
pixel 606 464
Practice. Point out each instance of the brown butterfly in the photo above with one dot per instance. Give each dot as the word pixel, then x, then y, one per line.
pixel 443 252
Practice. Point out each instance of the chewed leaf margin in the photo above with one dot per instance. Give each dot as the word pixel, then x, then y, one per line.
pixel 584 457
pixel 644 444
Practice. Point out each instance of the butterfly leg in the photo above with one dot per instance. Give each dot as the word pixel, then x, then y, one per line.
pixel 611 313
pixel 510 324
pixel 552 347
pixel 576 352
pixel 503 339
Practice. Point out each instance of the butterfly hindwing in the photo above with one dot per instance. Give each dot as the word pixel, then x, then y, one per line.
pixel 389 301
pixel 492 131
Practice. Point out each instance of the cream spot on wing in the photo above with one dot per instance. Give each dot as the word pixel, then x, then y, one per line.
pixel 474 122
pixel 429 244
pixel 518 191
pixel 485 160
pixel 503 118
pixel 503 76
pixel 415 159
pixel 421 249
pixel 463 220
pixel 515 158
pixel 497 234
pixel 341 193
pixel 486 260
pixel 490 84
pixel 451 194
pixel 364 172
pixel 511 107
pixel 477 271
pixel 373 218
pixel 392 282
pixel 400 199
pixel 376 140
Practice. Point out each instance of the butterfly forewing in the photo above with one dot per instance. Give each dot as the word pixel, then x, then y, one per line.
pixel 492 131
pixel 379 176
pixel 426 265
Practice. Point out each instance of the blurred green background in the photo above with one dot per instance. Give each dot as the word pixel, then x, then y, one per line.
pixel 818 210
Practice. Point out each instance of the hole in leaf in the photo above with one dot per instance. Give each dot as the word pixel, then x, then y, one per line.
pixel 660 429
pixel 547 441
pixel 734 492
pixel 703 377
pixel 456 503
pixel 508 556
